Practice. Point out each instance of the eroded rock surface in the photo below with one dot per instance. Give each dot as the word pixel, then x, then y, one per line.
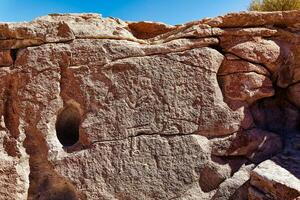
pixel 99 108
pixel 275 181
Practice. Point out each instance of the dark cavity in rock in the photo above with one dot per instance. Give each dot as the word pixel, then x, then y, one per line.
pixel 67 123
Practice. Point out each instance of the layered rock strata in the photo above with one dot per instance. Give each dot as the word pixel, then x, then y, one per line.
pixel 99 108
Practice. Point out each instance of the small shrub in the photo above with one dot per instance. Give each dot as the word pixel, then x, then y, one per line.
pixel 274 5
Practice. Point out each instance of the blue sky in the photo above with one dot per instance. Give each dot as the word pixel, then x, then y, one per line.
pixel 167 11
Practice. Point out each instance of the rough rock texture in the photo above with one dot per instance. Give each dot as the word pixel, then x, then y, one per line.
pixel 275 181
pixel 257 145
pixel 99 108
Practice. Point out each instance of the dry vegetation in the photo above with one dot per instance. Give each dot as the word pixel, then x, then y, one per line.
pixel 274 5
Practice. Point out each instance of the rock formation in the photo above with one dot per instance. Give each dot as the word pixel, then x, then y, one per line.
pixel 97 108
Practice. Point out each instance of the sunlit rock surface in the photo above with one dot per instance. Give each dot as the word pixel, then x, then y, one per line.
pixel 98 108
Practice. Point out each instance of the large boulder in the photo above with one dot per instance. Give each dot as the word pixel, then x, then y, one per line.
pixel 100 108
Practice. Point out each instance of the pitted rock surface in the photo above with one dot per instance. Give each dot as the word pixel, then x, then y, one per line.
pixel 99 108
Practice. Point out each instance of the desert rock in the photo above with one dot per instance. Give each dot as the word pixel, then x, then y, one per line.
pixel 276 181
pixel 180 112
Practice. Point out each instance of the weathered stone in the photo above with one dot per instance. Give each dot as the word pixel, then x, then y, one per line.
pixel 196 30
pixel 289 72
pixel 233 65
pixel 188 31
pixel 5 58
pixel 194 193
pixel 256 144
pixel 92 26
pixel 172 68
pixel 19 35
pixel 147 167
pixel 52 59
pixel 16 43
pixel 14 178
pixel 262 51
pixel 242 82
pixel 242 192
pixel 146 30
pixel 255 194
pixel 94 52
pixel 289 159
pixel 152 111
pixel 275 180
pixel 246 87
pixel 227 189
pixel 251 19
pixel 14 170
pixel 254 31
pixel 213 174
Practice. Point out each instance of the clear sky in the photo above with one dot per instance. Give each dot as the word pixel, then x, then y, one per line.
pixel 167 11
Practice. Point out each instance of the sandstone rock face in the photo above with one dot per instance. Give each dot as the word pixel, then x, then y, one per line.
pixel 99 108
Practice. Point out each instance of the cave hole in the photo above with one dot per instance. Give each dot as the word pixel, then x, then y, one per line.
pixel 68 124
pixel 13 54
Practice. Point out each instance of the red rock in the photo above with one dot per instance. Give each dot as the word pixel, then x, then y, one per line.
pixel 254 31
pixel 255 194
pixel 19 35
pixel 289 72
pixel 276 114
pixel 146 30
pixel 5 58
pixel 213 174
pixel 275 181
pixel 228 188
pixel 246 87
pixel 255 144
pixel 251 19
pixel 266 52
pixel 152 111
pixel 234 66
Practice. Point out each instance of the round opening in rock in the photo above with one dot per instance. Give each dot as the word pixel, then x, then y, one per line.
pixel 67 123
